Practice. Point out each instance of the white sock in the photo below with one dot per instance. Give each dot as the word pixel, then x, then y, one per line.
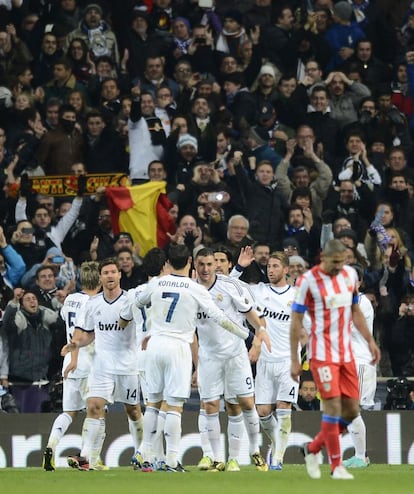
pixel 251 421
pixel 98 443
pixel 284 426
pixel 59 427
pixel 269 427
pixel 150 429
pixel 136 430
pixel 172 432
pixel 90 432
pixel 158 442
pixel 359 436
pixel 213 433
pixel 202 428
pixel 235 429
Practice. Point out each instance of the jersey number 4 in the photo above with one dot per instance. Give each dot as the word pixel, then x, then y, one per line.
pixel 174 296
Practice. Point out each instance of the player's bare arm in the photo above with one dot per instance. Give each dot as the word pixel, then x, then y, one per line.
pixel 259 325
pixel 123 323
pixel 79 339
pixel 296 328
pixel 72 364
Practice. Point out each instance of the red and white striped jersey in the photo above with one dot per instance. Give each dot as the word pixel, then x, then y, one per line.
pixel 328 299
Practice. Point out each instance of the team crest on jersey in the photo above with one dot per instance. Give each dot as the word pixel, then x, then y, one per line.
pixel 327 386
pixel 219 297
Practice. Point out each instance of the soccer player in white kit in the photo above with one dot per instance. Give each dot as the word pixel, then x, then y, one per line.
pixel 235 424
pixel 175 301
pixel 152 265
pixel 223 362
pixel 114 375
pixel 275 388
pixel 367 376
pixel 76 366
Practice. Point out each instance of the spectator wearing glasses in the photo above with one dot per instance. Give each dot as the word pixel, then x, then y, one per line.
pixel 313 76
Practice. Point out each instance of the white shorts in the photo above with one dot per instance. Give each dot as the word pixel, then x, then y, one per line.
pixel 367 376
pixel 112 387
pixel 231 377
pixel 74 394
pixel 274 383
pixel 168 367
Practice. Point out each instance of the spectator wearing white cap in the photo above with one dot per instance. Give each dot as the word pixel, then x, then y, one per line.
pixel 297 266
pixel 186 158
pixel 264 89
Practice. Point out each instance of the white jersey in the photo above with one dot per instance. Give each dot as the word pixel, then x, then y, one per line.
pixel 139 315
pixel 276 304
pixel 231 298
pixel 115 347
pixel 360 347
pixel 69 313
pixel 175 302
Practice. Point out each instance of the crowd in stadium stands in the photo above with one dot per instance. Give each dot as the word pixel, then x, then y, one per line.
pixel 277 124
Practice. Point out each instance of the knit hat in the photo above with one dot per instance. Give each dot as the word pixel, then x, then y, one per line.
pixel 185 21
pixel 347 232
pixel 234 77
pixel 187 139
pixel 95 6
pixel 140 12
pixel 343 10
pixel 297 260
pixel 267 69
pixel 120 235
pixel 234 14
pixel 259 134
pixel 290 242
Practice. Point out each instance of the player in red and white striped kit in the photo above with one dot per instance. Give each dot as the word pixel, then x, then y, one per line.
pixel 329 293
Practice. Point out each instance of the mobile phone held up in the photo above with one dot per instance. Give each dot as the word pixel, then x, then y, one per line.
pixel 58 259
pixel 205 4
pixel 215 197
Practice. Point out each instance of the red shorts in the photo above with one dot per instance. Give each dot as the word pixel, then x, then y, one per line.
pixel 335 380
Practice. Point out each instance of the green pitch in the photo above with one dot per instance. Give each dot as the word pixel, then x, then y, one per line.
pixel 377 479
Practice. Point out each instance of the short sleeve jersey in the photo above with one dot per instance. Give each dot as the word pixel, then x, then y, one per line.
pixel 328 299
pixel 115 347
pixel 232 299
pixel 69 313
pixel 276 305
pixel 175 301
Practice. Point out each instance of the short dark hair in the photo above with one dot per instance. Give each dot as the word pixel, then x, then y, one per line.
pixel 154 261
pixel 107 262
pixel 301 192
pixel 178 256
pixel 205 251
pixel 66 108
pixel 224 250
pixel 43 268
pixel 65 61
